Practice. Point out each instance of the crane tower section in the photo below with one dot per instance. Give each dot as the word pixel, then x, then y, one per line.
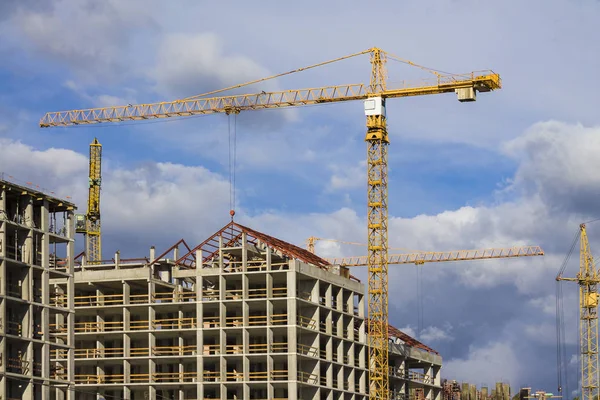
pixel 588 319
pixel 587 279
pixel 89 224
pixel 377 221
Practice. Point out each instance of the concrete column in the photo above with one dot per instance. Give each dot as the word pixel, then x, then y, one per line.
pixel 244 252
pixel 292 323
pixel 199 335
pixel 71 304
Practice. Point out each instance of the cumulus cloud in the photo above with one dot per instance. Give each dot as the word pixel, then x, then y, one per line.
pixel 558 162
pixel 348 177
pixel 90 37
pixel 190 64
pixel 101 100
pixel 433 334
pixel 493 362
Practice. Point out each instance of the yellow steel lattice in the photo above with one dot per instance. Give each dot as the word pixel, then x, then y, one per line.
pixel 93 234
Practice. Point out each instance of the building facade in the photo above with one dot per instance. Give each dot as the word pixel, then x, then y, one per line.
pixel 36 316
pixel 242 315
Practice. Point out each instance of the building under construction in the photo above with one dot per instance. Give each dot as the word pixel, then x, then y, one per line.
pixel 243 315
pixel 36 317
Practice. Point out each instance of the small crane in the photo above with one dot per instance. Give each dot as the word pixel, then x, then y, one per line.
pixel 588 279
pixel 89 224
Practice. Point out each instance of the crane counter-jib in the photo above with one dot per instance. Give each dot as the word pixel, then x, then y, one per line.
pixel 264 100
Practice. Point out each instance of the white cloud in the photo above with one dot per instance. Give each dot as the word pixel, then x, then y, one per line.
pixel 409 331
pixel 348 177
pixel 102 100
pixel 92 38
pixel 191 64
pixel 493 362
pixel 433 334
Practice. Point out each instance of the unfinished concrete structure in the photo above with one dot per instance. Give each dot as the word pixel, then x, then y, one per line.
pixel 36 318
pixel 242 315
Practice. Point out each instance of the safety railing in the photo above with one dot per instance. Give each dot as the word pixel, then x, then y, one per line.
pixel 174 323
pixel 93 379
pixel 211 376
pixel 256 265
pixel 234 294
pixel 279 347
pixel 94 326
pixel 254 320
pixel 174 297
pixel 98 300
pixel 234 376
pixel 108 352
pixel 323 326
pixel 211 322
pixel 307 350
pixel 211 349
pixel 59 354
pixel 280 292
pixel 18 366
pixel 58 329
pixel 14 328
pixel 258 376
pixel 235 321
pixel 304 295
pixel 139 352
pixel 234 349
pixel 174 377
pixel 13 290
pixel 307 377
pixel 59 375
pixel 138 378
pixel 59 300
pixel 307 322
pixel 139 325
pixel 257 293
pixel 279 319
pixel 258 348
pixel 188 350
pixel 142 298
pixel 279 374
pixel 210 294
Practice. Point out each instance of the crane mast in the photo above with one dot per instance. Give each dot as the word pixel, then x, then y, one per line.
pixel 89 224
pixel 588 279
pixel 377 228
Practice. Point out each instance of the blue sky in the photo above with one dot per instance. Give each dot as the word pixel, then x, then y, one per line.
pixel 516 167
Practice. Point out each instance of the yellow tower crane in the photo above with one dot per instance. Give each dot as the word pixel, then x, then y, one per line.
pixel 588 279
pixel 89 224
pixel 374 96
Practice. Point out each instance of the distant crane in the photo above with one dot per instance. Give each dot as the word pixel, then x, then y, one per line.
pixel 588 279
pixel 89 224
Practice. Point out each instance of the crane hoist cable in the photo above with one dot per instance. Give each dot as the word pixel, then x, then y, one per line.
pixel 560 322
pixel 232 160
